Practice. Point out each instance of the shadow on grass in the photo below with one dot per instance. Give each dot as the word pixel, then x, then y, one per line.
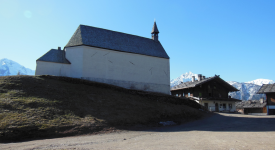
pixel 48 106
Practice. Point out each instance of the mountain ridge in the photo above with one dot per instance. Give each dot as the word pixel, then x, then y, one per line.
pixel 9 67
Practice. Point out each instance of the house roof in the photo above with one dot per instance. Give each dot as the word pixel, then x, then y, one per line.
pixel 251 104
pixel 267 88
pixel 191 84
pixel 102 38
pixel 54 55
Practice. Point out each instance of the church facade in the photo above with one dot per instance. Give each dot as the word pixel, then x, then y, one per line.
pixel 111 57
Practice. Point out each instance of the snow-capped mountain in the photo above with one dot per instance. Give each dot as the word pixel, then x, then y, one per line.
pixel 247 91
pixel 9 67
pixel 260 82
pixel 183 78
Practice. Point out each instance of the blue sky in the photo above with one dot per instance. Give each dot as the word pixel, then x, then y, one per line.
pixel 231 38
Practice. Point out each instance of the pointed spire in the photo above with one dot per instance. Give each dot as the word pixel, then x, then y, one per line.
pixel 155 32
pixel 155 28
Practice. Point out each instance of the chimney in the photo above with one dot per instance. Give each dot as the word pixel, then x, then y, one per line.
pixel 59 48
pixel 199 77
pixel 262 100
pixel 203 77
pixel 193 78
pixel 229 97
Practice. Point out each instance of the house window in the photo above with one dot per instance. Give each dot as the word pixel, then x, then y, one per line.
pixel 224 106
pixel 220 105
pixel 209 91
pixel 230 106
pixel 188 94
pixel 177 95
pixel 182 94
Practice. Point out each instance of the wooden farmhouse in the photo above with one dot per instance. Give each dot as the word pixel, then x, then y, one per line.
pixel 111 57
pixel 252 107
pixel 269 91
pixel 210 92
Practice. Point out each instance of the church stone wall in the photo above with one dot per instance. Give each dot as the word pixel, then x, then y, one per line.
pixel 128 70
pixel 51 68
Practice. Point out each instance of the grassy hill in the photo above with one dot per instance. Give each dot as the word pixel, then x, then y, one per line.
pixel 41 106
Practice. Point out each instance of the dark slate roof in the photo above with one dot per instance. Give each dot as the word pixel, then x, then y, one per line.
pixel 102 38
pixel 251 104
pixel 267 88
pixel 191 84
pixel 155 28
pixel 54 55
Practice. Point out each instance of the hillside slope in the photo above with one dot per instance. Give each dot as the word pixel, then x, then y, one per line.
pixel 40 106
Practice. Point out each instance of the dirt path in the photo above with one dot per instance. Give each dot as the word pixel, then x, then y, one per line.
pixel 221 131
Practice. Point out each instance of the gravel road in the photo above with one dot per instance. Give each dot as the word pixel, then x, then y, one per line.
pixel 220 131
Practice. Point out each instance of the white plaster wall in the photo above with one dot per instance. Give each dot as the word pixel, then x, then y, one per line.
pixel 211 105
pixel 127 70
pixel 51 68
pixel 75 56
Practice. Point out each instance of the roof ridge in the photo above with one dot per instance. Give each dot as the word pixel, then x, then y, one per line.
pixel 190 84
pixel 272 86
pixel 265 87
pixel 115 31
pixel 119 41
pixel 75 34
pixel 54 55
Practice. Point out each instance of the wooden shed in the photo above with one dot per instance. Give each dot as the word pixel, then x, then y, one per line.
pixel 269 91
pixel 252 107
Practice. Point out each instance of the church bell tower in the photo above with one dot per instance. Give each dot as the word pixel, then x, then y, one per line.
pixel 155 32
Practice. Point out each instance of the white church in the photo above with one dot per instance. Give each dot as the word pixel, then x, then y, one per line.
pixel 111 57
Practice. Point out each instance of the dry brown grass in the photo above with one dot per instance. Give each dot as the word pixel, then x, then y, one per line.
pixel 40 106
